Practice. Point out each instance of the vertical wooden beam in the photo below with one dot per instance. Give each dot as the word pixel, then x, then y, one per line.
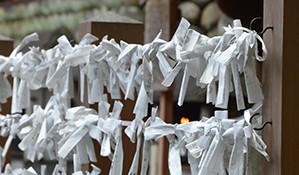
pixel 166 113
pixel 6 47
pixel 115 26
pixel 130 31
pixel 162 14
pixel 281 84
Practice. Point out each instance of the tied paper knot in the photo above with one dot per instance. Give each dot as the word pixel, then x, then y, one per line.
pixel 234 54
pixel 217 63
pixel 159 129
pixel 135 132
pixel 214 144
pixel 125 67
pixel 187 49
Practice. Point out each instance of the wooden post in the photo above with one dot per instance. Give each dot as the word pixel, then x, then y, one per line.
pixel 162 14
pixel 281 84
pixel 115 26
pixel 6 47
pixel 130 31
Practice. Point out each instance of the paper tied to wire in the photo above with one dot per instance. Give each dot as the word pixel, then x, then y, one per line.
pixel 59 131
pixel 106 130
pixel 234 55
pixel 135 131
pixel 160 129
pixel 185 52
pixel 21 92
pixel 214 144
pixel 38 132
pixel 219 63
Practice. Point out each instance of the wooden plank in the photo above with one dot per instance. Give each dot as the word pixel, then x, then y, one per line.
pixel 130 31
pixel 272 81
pixel 162 14
pixel 6 47
pixel 166 113
pixel 119 28
pixel 280 84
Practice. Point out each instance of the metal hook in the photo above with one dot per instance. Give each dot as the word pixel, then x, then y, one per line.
pixel 250 120
pixel 253 20
pixel 264 30
pixel 261 128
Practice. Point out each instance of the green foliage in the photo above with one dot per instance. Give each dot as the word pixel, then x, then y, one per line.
pixel 21 19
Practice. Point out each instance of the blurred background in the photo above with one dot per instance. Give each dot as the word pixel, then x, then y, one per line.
pixel 19 18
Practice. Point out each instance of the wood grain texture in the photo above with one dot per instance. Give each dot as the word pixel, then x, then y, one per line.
pixel 160 15
pixel 280 84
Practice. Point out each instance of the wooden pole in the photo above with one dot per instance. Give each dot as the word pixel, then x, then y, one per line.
pixel 6 47
pixel 162 14
pixel 281 84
